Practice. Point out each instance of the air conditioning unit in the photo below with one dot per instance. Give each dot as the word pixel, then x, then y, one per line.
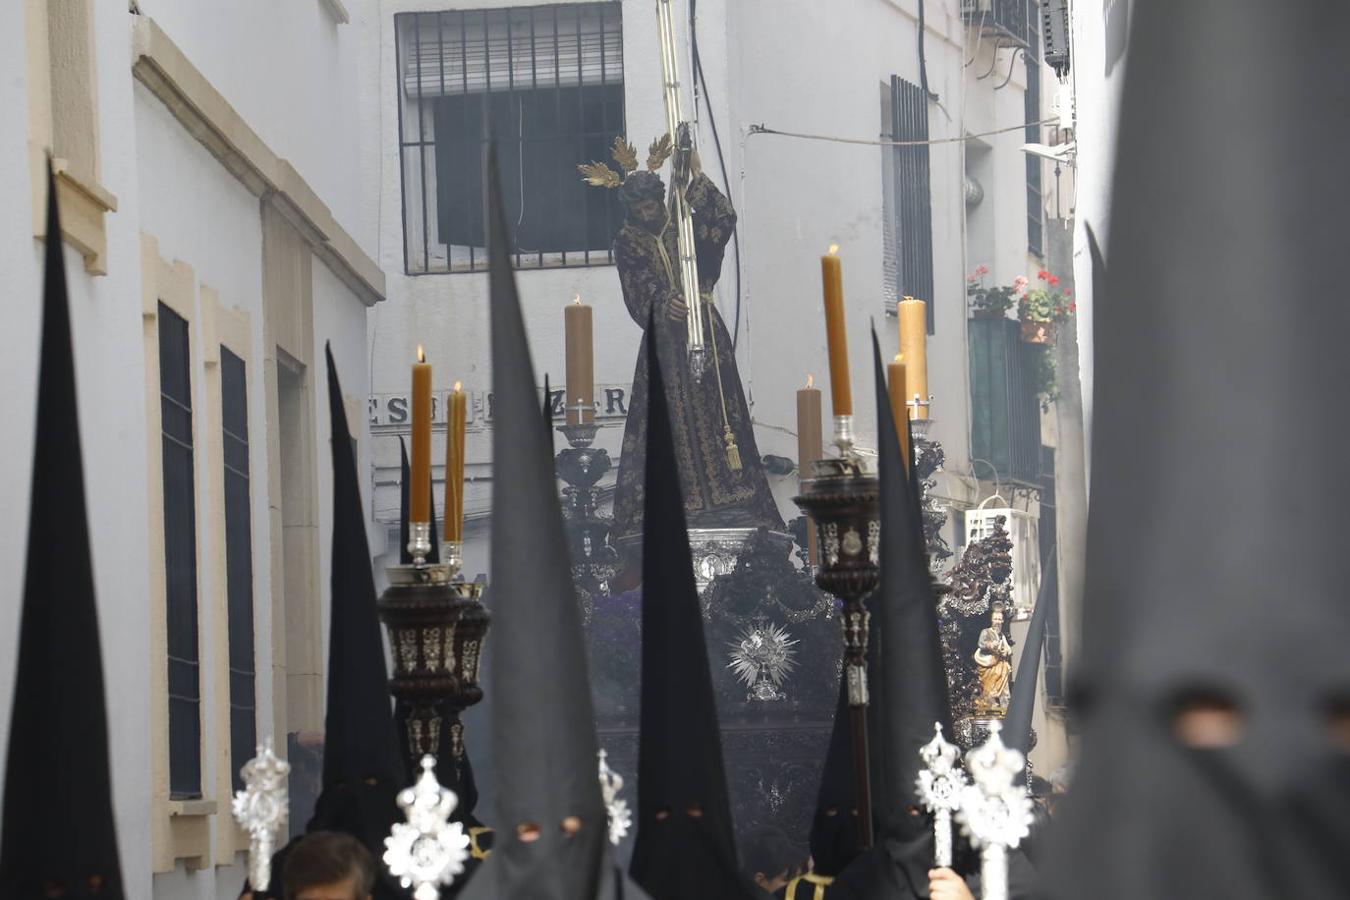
pixel 1024 530
pixel 971 8
pixel 1057 32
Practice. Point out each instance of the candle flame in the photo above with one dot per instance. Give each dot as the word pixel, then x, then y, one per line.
pixel 810 380
pixel 457 386
pixel 834 249
pixel 421 357
pixel 900 357
pixel 576 298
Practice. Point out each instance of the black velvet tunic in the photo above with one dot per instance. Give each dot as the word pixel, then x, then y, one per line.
pixel 715 495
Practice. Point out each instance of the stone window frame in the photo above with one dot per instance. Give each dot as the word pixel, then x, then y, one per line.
pixel 62 81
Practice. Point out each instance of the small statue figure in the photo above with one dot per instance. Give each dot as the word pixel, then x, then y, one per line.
pixel 993 655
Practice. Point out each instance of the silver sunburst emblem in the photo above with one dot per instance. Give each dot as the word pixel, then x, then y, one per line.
pixel 762 658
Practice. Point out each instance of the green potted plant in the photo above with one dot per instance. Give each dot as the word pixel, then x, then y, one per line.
pixel 988 302
pixel 1042 308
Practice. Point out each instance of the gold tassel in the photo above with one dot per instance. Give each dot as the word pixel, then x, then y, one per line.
pixel 733 452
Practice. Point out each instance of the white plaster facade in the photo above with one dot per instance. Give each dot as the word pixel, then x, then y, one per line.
pixel 1100 35
pixel 814 68
pixel 212 121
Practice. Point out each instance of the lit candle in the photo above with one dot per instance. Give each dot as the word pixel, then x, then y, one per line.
pixel 809 449
pixel 895 387
pixel 454 465
pixel 419 491
pixel 914 348
pixel 841 395
pixel 580 363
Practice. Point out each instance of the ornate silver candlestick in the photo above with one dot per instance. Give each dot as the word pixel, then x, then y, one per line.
pixel 940 785
pixel 581 466
pixel 427 851
pixel 844 500
pixel 616 809
pixel 995 811
pixel 260 809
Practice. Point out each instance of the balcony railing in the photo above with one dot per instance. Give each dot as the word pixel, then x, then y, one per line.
pixel 1006 20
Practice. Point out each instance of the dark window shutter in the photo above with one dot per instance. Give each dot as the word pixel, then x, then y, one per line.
pixel 180 556
pixel 913 207
pixel 238 562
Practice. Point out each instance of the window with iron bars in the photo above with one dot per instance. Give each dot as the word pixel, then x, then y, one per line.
pixel 907 229
pixel 546 84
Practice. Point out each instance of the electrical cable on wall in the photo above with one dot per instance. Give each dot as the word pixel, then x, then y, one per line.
pixel 764 129
pixel 923 60
pixel 1012 64
pixel 721 162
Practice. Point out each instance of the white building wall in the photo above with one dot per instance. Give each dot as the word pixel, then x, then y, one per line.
pixel 291 72
pixel 818 68
pixel 110 374
pixel 1100 34
pixel 290 69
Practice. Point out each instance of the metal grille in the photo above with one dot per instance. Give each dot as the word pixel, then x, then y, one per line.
pixel 546 84
pixel 238 562
pixel 1035 189
pixel 1004 20
pixel 1005 411
pixel 911 213
pixel 180 556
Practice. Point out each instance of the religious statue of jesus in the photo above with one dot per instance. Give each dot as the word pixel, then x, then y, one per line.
pixel 720 468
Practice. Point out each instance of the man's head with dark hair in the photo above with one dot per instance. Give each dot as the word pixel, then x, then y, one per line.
pixel 329 865
pixel 644 197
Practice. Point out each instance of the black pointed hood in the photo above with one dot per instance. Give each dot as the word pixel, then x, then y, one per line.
pixel 362 771
pixel 545 751
pixel 404 533
pixel 1215 572
pixel 548 415
pixel 359 741
pixel 835 837
pixel 58 818
pixel 906 679
pixel 913 682
pixel 1022 704
pixel 685 845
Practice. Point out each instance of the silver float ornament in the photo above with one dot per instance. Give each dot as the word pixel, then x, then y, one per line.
pixel 995 810
pixel 941 782
pixel 428 850
pixel 616 809
pixel 260 809
pixel 762 659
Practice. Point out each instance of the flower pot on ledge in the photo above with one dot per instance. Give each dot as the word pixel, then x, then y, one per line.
pixel 984 313
pixel 1034 332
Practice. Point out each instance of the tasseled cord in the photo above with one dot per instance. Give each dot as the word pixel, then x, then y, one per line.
pixel 733 452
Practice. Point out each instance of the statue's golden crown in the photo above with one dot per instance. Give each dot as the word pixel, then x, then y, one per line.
pixel 598 174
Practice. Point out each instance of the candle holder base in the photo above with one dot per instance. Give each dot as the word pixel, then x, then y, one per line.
pixel 580 466
pixel 419 542
pixel 426 573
